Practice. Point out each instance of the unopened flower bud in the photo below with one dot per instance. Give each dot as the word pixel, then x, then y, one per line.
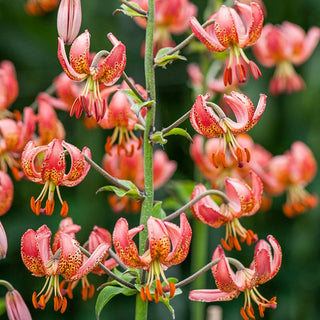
pixel 3 242
pixel 16 307
pixel 69 20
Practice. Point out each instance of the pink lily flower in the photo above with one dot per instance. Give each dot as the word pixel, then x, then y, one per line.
pixel 233 29
pixel 100 71
pixel 213 123
pixel 283 46
pixel 3 242
pixel 168 245
pixel 66 261
pixel 6 192
pixel 52 171
pixel 16 307
pixel 243 201
pixel 230 284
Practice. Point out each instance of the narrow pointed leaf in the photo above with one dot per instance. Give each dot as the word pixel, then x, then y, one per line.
pixel 179 132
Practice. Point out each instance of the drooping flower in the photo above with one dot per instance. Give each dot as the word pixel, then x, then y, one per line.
pixel 168 245
pixel 242 201
pixel 69 20
pixel 233 29
pixel 16 307
pixel 6 192
pixel 66 261
pixel 40 7
pixel 126 167
pixel 213 123
pixel 292 172
pixel 283 46
pixel 8 86
pixel 100 70
pixel 120 117
pixel 47 165
pixel 263 268
pixel 3 242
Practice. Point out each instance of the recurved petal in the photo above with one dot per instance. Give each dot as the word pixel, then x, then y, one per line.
pixel 211 295
pixel 253 16
pixel 125 247
pixel 71 258
pixel 204 120
pixel 206 210
pixel 111 68
pixel 224 276
pixel 259 110
pixel 217 254
pixel 67 68
pixel 257 190
pixel 180 240
pixel 30 250
pixel 265 265
pixel 79 166
pixel 80 54
pixel 159 241
pixel 209 40
pixel 95 258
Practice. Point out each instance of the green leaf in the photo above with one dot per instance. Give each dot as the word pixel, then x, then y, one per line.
pixel 136 107
pixel 162 59
pixel 157 211
pixel 158 138
pixel 179 132
pixel 107 294
pixel 133 191
pixel 131 95
pixel 130 12
pixel 128 275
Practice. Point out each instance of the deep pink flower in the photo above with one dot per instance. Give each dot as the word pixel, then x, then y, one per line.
pixel 168 245
pixel 283 46
pixel 233 29
pixel 209 120
pixel 51 170
pixel 230 284
pixel 100 70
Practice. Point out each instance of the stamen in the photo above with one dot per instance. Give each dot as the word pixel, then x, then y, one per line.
pixel 156 295
pixel 33 204
pixel 149 296
pixel 243 314
pixel 91 291
pixel 64 305
pixel 34 300
pixel 84 293
pixel 49 207
pixel 56 303
pixel 261 310
pixel 225 245
pixel 236 244
pixel 64 209
pixel 223 160
pixel 214 161
pixel 248 154
pixel 42 302
pixel 159 286
pixel 143 295
pixel 250 312
pixel 172 289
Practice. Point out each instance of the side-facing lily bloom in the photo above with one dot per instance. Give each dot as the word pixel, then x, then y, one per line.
pixel 168 245
pixel 8 86
pixel 47 165
pixel 66 261
pixel 233 29
pixel 230 284
pixel 283 46
pixel 6 192
pixel 242 201
pixel 16 307
pixel 209 120
pixel 100 70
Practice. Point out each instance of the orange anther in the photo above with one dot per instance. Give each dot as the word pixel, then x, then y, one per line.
pixel 231 242
pixel 34 300
pixel 84 293
pixel 142 294
pixel 38 207
pixel 239 155
pixel 148 293
pixel 91 291
pixel 172 289
pixel 250 312
pixel 225 245
pixel 156 295
pixel 261 310
pixel 236 244
pixel 49 207
pixel 223 160
pixel 159 287
pixel 33 204
pixel 243 314
pixel 56 303
pixel 248 154
pixel 16 173
pixel 64 305
pixel 42 302
pixel 214 161
pixel 64 209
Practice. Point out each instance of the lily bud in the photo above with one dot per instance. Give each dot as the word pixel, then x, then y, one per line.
pixel 69 20
pixel 3 242
pixel 16 307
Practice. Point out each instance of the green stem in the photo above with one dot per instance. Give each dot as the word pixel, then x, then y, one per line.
pixel 6 284
pixel 147 205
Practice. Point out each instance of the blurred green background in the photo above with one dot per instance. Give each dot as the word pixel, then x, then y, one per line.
pixel 31 44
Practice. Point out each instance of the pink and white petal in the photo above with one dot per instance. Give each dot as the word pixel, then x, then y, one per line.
pixel 277 256
pixel 259 110
pixel 217 254
pixel 67 68
pixel 211 295
pixel 180 240
pixel 257 190
pixel 208 40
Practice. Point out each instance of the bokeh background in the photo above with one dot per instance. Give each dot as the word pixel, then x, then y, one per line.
pixel 31 44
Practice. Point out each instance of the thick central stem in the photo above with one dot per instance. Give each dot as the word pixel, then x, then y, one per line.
pixel 147 205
